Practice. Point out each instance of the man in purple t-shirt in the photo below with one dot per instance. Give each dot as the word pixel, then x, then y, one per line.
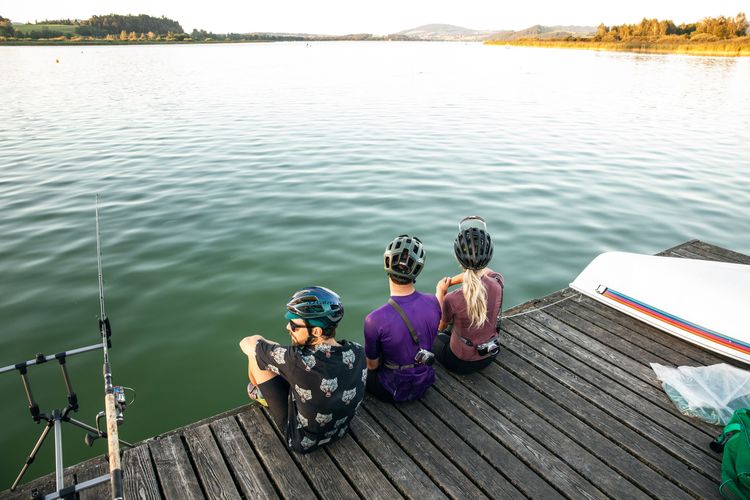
pixel 399 335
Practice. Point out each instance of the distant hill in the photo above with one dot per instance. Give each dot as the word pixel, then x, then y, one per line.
pixel 444 32
pixel 545 32
pixel 449 32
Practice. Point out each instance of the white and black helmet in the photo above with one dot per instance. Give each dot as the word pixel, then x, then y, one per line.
pixel 404 259
pixel 473 245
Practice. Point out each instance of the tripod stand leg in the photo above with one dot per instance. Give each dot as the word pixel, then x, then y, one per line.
pixel 58 452
pixel 32 456
pixel 94 431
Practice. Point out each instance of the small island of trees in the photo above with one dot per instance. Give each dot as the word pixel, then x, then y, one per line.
pixel 726 36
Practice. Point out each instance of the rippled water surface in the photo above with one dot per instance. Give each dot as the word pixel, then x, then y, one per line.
pixel 231 175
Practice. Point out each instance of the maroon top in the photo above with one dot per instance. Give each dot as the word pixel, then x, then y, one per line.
pixel 454 311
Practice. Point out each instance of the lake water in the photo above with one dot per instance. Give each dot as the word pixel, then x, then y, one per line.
pixel 231 175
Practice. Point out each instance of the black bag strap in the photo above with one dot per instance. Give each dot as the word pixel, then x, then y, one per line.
pixel 499 279
pixel 403 315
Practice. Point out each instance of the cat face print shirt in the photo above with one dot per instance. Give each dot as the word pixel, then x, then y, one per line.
pixel 326 386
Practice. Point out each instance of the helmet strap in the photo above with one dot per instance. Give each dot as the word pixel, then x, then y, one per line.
pixel 308 340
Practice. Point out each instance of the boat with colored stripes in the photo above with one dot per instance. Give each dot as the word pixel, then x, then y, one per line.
pixel 703 302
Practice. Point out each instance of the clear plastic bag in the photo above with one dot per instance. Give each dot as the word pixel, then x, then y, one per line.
pixel 710 393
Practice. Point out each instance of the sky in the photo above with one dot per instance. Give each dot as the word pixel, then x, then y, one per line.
pixel 338 17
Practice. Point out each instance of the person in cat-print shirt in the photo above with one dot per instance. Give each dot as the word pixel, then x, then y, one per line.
pixel 321 379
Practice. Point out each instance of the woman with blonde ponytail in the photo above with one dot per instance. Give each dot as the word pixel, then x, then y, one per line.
pixel 471 313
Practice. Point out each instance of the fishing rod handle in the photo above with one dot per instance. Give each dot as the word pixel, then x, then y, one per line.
pixel 113 445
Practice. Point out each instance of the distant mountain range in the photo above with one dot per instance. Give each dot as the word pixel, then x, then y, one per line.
pixel 448 32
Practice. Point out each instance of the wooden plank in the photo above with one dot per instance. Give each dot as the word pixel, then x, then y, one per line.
pixel 564 294
pixel 321 472
pixel 588 465
pixel 631 354
pixel 536 456
pixel 642 345
pixel 521 475
pixel 685 253
pixel 687 244
pixel 615 399
pixel 592 434
pixel 282 470
pixel 94 468
pixel 612 367
pixel 635 375
pixel 521 360
pixel 173 468
pixel 400 470
pixel 724 254
pixel 363 473
pixel 440 469
pixel 42 485
pixel 244 465
pixel 138 475
pixel 212 471
pixel 455 449
pixel 699 355
pixel 572 332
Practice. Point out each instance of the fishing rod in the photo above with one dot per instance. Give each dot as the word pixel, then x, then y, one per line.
pixel 111 407
pixel 115 403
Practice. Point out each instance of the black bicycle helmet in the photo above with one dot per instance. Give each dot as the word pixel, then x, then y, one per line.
pixel 316 305
pixel 473 245
pixel 404 259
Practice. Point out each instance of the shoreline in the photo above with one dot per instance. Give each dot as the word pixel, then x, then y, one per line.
pixel 32 43
pixel 726 48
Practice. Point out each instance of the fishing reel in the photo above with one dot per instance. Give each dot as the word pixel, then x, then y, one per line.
pixel 121 403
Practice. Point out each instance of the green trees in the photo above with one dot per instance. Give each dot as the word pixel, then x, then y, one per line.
pixel 114 24
pixel 652 29
pixel 6 28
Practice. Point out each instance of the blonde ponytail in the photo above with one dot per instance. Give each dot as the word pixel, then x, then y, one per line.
pixel 476 297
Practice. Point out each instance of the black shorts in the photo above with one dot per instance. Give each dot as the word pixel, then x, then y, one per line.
pixel 443 353
pixel 276 393
pixel 375 388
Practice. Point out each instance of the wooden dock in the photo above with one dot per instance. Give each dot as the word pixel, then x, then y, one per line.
pixel 570 408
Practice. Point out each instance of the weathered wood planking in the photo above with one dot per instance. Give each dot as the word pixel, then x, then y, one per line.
pixel 363 474
pixel 570 408
pixel 139 477
pixel 441 471
pixel 212 470
pixel 454 447
pixel 176 475
pixel 488 447
pixel 282 470
pixel 405 475
pixel 243 462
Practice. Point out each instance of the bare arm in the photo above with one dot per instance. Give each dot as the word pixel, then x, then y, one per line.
pixel 441 289
pixel 373 364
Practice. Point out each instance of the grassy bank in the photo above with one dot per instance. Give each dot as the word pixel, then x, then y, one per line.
pixel 732 47
pixel 99 41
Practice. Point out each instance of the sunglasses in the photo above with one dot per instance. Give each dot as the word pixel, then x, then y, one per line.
pixel 294 326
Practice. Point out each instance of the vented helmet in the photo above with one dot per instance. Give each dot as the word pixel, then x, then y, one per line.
pixel 404 259
pixel 473 245
pixel 316 305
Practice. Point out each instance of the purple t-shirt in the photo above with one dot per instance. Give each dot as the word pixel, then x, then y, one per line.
pixel 387 337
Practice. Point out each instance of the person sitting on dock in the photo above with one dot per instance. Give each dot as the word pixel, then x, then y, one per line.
pixel 473 310
pixel 325 378
pixel 400 334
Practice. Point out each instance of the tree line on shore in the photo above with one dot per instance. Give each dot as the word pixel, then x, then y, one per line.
pixel 115 27
pixel 109 26
pixel 706 30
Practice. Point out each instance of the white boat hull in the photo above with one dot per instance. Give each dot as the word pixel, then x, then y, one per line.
pixel 703 302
